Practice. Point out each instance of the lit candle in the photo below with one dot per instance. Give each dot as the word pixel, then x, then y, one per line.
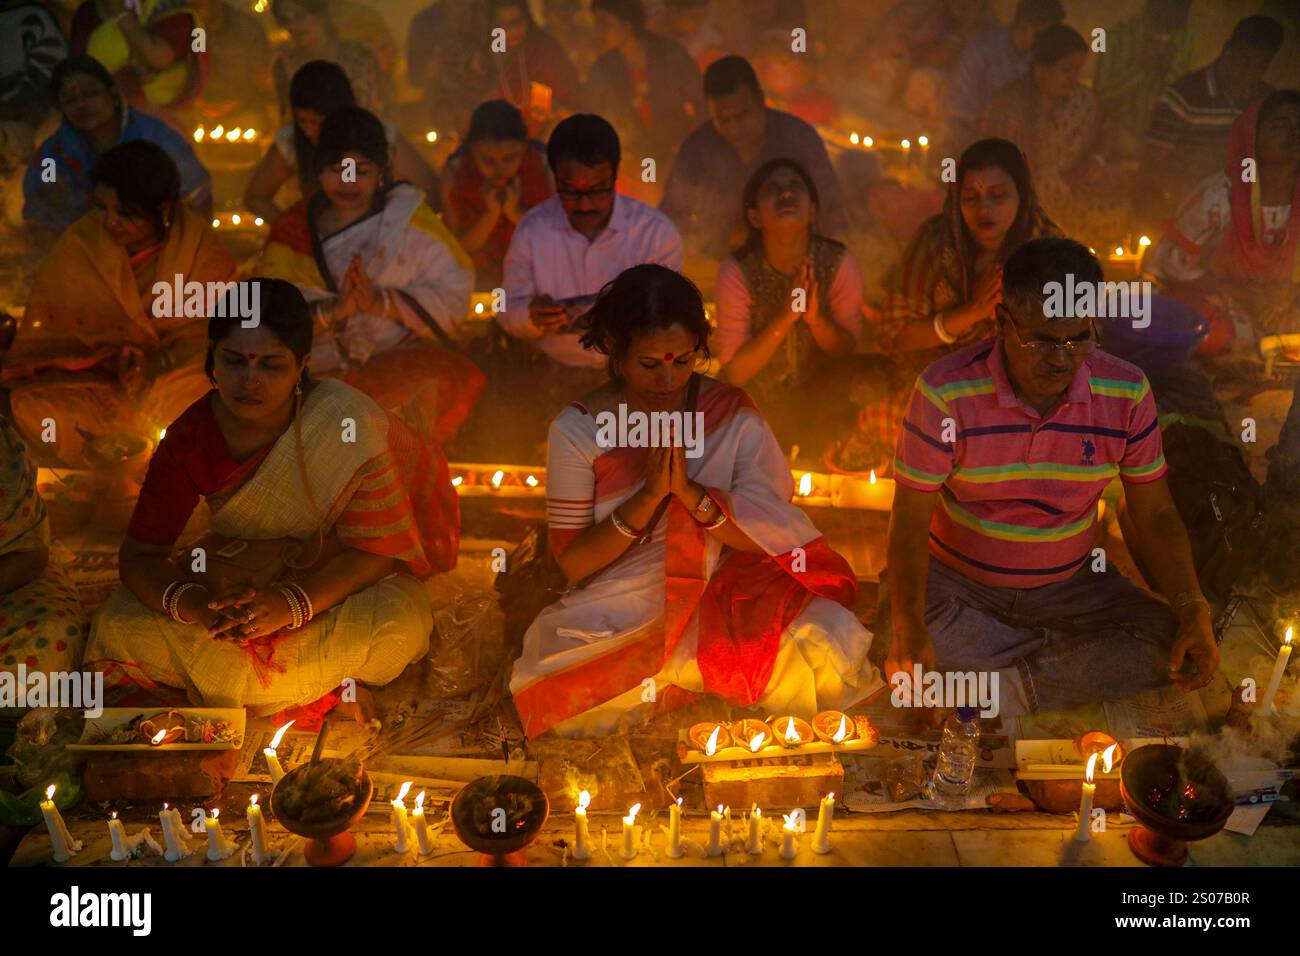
pixel 1084 833
pixel 497 476
pixel 400 826
pixel 60 839
pixel 421 829
pixel 754 845
pixel 219 847
pixel 179 827
pixel 629 832
pixel 825 814
pixel 1279 668
pixel 117 833
pixel 715 832
pixel 581 835
pixel 174 850
pixel 256 830
pixel 273 762
pixel 675 830
pixel 789 837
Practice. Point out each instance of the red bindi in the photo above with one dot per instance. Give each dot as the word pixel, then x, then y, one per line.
pixel 668 357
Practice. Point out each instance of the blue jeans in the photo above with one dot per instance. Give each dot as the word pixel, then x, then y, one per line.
pixel 1094 636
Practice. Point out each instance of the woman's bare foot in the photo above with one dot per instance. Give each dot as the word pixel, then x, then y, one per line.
pixel 363 710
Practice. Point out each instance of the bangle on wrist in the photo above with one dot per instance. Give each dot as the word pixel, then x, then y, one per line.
pixel 621 527
pixel 946 337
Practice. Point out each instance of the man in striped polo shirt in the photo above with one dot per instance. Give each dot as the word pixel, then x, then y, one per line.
pixel 1004 451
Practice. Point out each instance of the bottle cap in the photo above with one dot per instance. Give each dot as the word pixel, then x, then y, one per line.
pixel 967 714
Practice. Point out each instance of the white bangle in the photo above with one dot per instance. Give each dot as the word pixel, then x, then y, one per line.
pixel 945 336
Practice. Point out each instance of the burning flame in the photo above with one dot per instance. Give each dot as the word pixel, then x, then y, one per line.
pixel 455 482
pixel 805 484
pixel 431 136
pixel 711 747
pixel 1108 758
pixel 218 132
pixel 1092 766
pixel 250 133
pixel 419 800
pixel 234 219
pixel 868 141
pixel 234 134
pixel 49 793
pixel 679 801
pixel 584 800
pixel 873 476
pixel 401 793
pixel 216 812
pixel 854 138
pixel 842 731
pixel 198 134
pixel 1144 241
pixel 279 735
pixel 719 809
pixel 831 796
pixel 531 481
pixel 1119 250
pixel 1287 639
pixel 907 144
pixel 631 814
pixel 789 819
pixel 757 741
pixel 216 223
pixel 113 815
pixel 496 478
pixel 252 801
pixel 923 140
pixel 478 308
pixel 158 737
pixel 258 221
pixel 791 732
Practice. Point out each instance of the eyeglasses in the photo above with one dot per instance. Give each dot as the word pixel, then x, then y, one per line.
pixel 1039 348
pixel 573 195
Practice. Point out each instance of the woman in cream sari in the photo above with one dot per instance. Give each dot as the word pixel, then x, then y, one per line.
pixel 283 460
pixel 732 592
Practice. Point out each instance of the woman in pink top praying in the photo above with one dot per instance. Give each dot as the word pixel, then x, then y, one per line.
pixel 790 311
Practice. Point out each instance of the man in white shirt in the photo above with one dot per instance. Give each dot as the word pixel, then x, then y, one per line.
pixel 566 248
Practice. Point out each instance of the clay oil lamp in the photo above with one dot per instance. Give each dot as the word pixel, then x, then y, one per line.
pixel 792 731
pixel 1097 742
pixel 751 733
pixel 834 727
pixel 163 729
pixel 709 737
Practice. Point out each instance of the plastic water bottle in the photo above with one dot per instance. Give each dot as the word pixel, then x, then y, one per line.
pixel 952 774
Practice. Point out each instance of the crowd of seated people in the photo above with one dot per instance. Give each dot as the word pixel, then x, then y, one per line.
pixel 607 152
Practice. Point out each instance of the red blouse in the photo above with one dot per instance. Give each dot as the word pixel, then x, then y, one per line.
pixel 192 461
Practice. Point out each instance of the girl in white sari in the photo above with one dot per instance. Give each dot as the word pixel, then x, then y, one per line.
pixel 387 282
pixel 321 532
pixel 728 589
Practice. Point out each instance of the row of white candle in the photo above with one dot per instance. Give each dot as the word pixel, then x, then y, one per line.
pixel 404 827
pixel 754 837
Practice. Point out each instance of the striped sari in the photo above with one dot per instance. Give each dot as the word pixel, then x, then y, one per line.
pixel 678 616
pixel 382 493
